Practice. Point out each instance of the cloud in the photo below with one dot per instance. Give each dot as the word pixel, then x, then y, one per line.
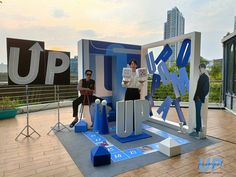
pixel 88 33
pixel 62 23
pixel 59 13
pixel 61 37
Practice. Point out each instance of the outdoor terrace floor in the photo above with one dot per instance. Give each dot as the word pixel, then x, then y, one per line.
pixel 46 156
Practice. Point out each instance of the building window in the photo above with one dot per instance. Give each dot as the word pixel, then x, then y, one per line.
pixel 230 66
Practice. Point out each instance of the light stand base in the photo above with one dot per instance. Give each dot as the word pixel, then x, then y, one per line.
pixel 27 135
pixel 57 127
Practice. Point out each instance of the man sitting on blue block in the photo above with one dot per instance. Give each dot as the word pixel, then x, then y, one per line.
pixel 86 85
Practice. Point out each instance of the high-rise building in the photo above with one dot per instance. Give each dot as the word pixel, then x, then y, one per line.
pixel 235 23
pixel 174 26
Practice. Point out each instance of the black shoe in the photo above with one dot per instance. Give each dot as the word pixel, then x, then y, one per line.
pixel 73 123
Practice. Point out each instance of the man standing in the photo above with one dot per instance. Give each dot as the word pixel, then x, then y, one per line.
pixel 199 97
pixel 87 88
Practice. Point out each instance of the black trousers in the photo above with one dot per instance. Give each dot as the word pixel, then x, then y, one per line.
pixel 132 94
pixel 198 106
pixel 80 100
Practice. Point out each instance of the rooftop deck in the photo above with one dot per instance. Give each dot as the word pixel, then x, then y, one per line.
pixel 46 156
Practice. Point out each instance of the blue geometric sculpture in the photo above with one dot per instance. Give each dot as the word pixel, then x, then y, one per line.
pixel 81 126
pixel 100 156
pixel 103 128
pixel 165 106
pixel 179 111
pixel 97 116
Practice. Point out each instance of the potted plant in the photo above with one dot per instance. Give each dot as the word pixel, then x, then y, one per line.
pixel 8 107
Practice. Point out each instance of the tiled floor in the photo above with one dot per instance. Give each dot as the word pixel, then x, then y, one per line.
pixel 45 156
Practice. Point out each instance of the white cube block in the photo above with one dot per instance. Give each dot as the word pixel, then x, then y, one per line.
pixel 169 147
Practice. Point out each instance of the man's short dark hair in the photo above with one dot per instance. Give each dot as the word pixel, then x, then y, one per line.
pixel 134 61
pixel 202 65
pixel 89 70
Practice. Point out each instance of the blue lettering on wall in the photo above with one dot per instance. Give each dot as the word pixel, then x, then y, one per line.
pixel 179 111
pixel 180 84
pixel 156 81
pixel 164 73
pixel 150 63
pixel 108 72
pixel 165 54
pixel 184 53
pixel 165 106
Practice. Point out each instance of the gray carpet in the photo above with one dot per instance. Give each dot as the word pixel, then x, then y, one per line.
pixel 79 146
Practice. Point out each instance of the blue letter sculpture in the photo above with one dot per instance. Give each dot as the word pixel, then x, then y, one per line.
pixel 156 81
pixel 124 116
pixel 184 53
pixel 150 63
pixel 180 84
pixel 164 73
pixel 165 106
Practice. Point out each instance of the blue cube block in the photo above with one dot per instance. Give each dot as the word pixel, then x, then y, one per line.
pixel 100 156
pixel 81 126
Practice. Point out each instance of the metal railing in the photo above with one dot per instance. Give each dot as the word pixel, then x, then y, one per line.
pixel 38 94
pixel 42 94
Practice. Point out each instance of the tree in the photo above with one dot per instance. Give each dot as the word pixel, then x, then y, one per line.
pixel 204 60
pixel 216 72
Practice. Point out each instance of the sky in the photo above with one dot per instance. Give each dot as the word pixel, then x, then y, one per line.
pixel 61 24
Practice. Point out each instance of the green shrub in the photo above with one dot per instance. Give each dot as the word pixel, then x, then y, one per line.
pixel 167 90
pixel 8 103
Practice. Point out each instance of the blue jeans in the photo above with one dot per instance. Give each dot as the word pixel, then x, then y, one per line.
pixel 198 106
